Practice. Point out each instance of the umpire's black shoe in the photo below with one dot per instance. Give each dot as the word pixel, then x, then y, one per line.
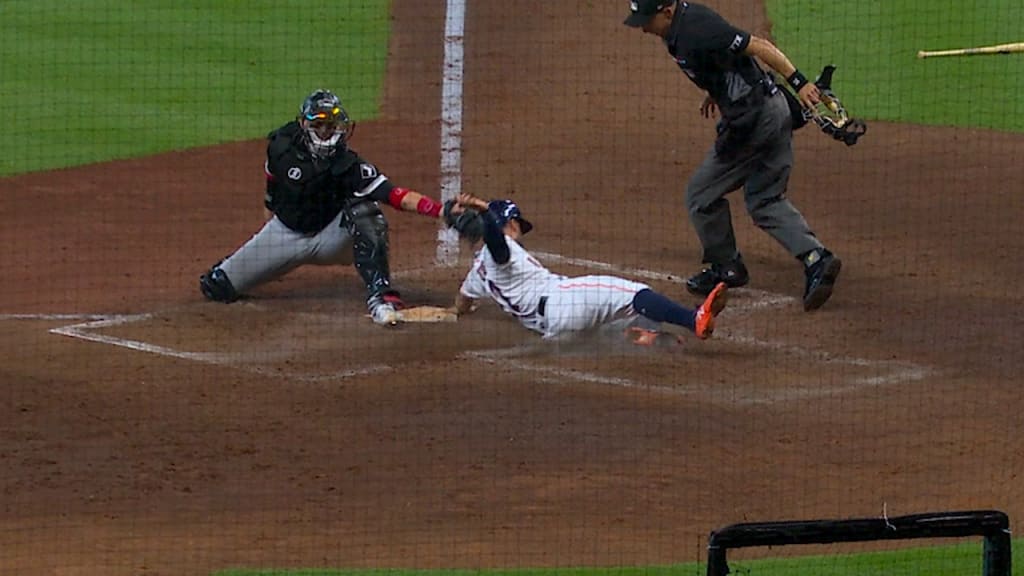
pixel 733 273
pixel 822 268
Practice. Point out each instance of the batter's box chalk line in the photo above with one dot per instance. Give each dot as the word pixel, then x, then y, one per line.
pixel 88 331
pixel 518 357
pixel 886 372
pixel 752 299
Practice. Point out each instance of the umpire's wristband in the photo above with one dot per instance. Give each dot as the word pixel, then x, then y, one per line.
pixel 797 80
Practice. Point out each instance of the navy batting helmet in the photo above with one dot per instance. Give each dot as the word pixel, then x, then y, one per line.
pixel 325 124
pixel 507 210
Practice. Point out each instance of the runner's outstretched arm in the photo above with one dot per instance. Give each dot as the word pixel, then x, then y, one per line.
pixel 494 238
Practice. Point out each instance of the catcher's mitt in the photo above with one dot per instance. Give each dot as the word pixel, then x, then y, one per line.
pixel 831 116
pixel 467 223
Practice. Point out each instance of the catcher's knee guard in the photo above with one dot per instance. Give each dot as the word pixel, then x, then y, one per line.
pixel 216 286
pixel 369 230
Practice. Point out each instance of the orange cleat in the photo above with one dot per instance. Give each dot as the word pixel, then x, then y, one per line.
pixel 704 318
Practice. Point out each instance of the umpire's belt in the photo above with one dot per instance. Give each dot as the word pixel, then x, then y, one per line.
pixel 541 305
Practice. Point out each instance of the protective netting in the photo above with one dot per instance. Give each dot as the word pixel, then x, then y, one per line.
pixel 146 430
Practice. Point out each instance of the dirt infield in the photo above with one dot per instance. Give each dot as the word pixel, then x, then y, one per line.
pixel 145 431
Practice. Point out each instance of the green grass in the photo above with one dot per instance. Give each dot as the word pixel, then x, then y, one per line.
pixel 964 559
pixel 875 45
pixel 96 80
pixel 689 570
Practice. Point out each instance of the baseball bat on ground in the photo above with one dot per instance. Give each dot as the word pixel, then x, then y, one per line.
pixel 996 49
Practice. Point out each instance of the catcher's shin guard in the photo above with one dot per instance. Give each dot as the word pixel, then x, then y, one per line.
pixel 216 286
pixel 369 230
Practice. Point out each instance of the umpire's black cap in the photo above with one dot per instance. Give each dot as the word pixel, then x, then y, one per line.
pixel 641 11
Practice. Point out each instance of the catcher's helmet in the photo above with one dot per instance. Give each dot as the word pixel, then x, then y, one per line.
pixel 326 126
pixel 507 210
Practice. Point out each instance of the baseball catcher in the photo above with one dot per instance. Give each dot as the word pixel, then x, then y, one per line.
pixel 323 202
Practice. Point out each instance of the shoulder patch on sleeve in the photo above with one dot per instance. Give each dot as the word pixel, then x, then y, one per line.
pixel 737 42
pixel 740 42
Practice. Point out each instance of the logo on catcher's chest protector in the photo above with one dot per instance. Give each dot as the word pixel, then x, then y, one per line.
pixel 295 173
pixel 368 171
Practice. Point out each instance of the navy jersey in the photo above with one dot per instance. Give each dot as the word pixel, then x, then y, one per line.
pixel 709 50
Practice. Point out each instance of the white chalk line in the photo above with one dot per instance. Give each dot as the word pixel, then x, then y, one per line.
pixel 53 317
pixel 896 372
pixel 85 331
pixel 507 358
pixel 892 372
pixel 447 252
pixel 754 299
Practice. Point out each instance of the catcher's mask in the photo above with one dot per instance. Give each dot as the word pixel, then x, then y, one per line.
pixel 507 210
pixel 326 126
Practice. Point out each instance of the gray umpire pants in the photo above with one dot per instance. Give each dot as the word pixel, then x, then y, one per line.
pixel 763 169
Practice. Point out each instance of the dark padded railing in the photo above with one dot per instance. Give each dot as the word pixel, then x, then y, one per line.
pixel 993 525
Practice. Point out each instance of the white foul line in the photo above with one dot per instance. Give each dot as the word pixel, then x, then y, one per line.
pixel 451 124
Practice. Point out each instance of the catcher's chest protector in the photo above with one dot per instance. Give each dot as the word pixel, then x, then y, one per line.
pixel 303 193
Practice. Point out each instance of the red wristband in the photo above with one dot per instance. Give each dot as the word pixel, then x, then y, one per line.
pixel 395 197
pixel 428 207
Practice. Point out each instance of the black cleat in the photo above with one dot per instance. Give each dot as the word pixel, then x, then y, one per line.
pixel 733 274
pixel 216 286
pixel 821 277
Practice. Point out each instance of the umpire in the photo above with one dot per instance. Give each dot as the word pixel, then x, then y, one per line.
pixel 753 147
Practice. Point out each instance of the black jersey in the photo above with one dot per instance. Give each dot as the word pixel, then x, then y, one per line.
pixel 710 51
pixel 306 193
